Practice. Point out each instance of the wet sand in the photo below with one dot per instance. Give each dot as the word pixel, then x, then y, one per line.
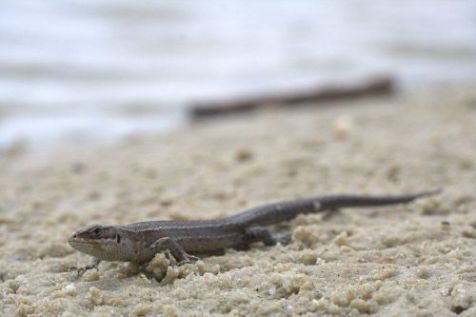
pixel 412 260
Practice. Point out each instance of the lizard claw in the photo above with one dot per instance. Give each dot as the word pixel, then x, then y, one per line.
pixel 284 239
pixel 188 259
pixel 94 264
pixel 79 271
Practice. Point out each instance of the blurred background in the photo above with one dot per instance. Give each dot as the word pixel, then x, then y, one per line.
pixel 82 71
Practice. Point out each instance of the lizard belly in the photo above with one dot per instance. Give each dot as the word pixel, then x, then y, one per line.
pixel 211 243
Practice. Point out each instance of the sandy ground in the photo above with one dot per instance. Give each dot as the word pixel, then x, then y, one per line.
pixel 412 260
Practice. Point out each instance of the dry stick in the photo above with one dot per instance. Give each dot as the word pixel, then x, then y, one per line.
pixel 376 86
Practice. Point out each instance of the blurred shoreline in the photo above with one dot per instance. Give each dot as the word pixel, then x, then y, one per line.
pixel 105 69
pixel 81 130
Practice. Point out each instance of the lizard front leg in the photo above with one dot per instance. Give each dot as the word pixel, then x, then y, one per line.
pixel 94 264
pixel 177 251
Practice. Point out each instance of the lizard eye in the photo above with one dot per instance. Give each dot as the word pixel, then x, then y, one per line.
pixel 96 231
pixel 118 238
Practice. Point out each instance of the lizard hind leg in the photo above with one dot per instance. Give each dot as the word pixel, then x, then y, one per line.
pixel 260 234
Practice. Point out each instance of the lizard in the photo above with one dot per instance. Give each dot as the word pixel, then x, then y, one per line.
pixel 186 240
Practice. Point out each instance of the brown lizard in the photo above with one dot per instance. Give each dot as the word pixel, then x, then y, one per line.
pixel 185 240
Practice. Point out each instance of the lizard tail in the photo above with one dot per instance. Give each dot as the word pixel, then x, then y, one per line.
pixel 341 201
pixel 287 210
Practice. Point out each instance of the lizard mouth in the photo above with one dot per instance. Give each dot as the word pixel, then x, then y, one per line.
pixel 87 246
pixel 79 241
pixel 76 240
pixel 99 248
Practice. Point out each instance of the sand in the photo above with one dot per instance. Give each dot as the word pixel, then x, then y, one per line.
pixel 412 260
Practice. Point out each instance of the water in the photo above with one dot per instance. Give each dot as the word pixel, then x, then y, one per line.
pixel 79 70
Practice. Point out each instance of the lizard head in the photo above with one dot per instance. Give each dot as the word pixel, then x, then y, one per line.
pixel 103 242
